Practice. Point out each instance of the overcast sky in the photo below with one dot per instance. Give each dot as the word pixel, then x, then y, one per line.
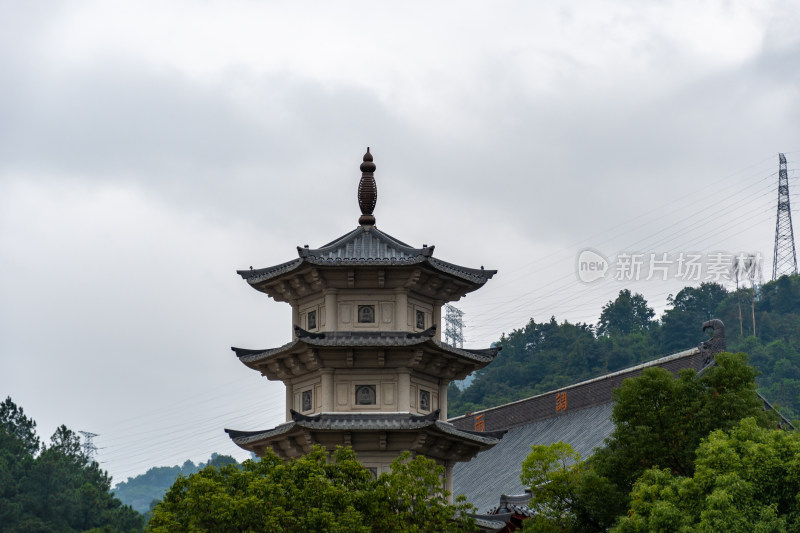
pixel 150 149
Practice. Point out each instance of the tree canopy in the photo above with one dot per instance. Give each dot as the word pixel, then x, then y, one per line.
pixel 625 315
pixel 53 488
pixel 690 307
pixel 317 492
pixel 660 421
pixel 746 479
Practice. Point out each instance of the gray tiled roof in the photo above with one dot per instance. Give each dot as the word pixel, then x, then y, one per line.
pixel 485 523
pixel 364 422
pixel 261 274
pixel 477 275
pixel 522 510
pixel 365 246
pixel 247 355
pixel 498 469
pixel 367 339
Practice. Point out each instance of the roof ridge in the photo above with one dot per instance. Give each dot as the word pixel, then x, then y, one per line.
pixel 602 377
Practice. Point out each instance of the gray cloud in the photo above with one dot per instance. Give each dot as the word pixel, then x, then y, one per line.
pixel 131 189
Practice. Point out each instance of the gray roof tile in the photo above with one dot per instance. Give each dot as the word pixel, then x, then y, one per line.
pixel 367 246
pixel 366 243
pixel 364 422
pixel 498 469
pixel 367 339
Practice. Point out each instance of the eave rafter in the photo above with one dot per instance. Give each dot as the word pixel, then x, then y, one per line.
pixel 294 365
pixel 285 291
pixel 275 368
pixel 450 288
pixel 288 447
pixel 318 281
pixel 415 359
pixel 311 360
pixel 308 441
pixel 435 364
pixel 299 284
pixel 456 371
pixel 443 446
pixel 419 442
pixel 413 278
pixel 432 284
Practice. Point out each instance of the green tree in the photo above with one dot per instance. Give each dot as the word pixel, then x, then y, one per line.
pixel 629 313
pixel 18 444
pixel 690 307
pixel 17 429
pixel 53 488
pixel 411 498
pixel 746 480
pixel 567 493
pixel 660 419
pixel 316 492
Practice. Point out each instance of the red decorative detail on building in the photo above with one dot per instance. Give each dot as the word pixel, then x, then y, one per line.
pixel 561 401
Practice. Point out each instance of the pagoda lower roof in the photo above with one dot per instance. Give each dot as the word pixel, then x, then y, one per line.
pixel 366 339
pixel 367 246
pixel 369 422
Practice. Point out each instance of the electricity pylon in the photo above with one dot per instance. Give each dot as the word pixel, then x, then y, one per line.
pixel 784 260
pixel 454 326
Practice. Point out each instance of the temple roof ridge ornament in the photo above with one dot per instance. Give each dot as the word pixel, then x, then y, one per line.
pixel 367 191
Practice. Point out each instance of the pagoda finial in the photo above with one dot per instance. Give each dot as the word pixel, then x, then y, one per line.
pixel 367 191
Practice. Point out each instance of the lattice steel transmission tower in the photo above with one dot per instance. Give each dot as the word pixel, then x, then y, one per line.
pixel 784 261
pixel 454 326
pixel 89 449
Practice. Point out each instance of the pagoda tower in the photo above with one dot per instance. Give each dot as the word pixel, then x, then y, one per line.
pixel 366 366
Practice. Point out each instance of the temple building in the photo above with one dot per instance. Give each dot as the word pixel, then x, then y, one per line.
pixel 366 366
pixel 577 414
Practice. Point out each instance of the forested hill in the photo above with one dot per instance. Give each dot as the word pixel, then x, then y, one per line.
pixel 543 356
pixel 143 491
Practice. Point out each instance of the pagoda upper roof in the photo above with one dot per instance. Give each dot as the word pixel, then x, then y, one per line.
pixel 279 362
pixel 367 246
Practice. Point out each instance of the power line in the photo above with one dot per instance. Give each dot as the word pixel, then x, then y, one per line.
pixel 139 445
